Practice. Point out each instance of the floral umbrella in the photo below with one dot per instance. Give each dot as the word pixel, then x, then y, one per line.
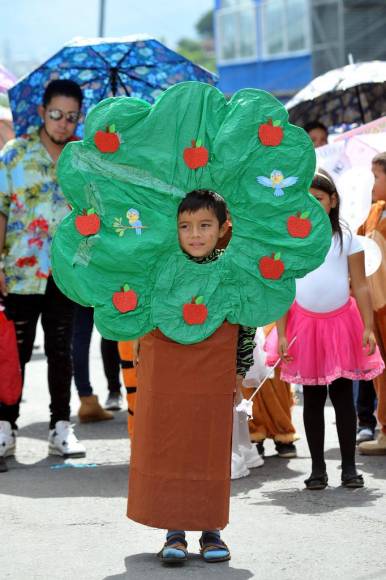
pixel 118 249
pixel 355 93
pixel 135 66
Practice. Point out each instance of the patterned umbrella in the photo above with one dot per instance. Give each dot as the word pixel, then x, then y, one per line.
pixel 7 80
pixel 355 93
pixel 137 66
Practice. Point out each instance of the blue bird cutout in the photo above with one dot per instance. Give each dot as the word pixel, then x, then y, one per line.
pixel 276 181
pixel 134 221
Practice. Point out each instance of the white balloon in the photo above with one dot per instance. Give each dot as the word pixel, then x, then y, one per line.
pixel 373 255
pixel 354 187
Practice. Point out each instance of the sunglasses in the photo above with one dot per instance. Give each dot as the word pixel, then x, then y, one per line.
pixel 57 115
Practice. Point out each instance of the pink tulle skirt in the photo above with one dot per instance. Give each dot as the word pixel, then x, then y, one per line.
pixel 328 346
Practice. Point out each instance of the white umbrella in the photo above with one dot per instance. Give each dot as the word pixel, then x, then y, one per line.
pixel 355 93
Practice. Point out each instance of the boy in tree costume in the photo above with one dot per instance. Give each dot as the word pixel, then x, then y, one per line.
pixel 119 251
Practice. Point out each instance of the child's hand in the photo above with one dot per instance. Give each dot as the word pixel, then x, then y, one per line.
pixel 369 341
pixel 282 349
pixel 135 352
pixel 238 392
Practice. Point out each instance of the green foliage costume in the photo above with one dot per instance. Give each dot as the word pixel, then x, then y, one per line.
pixel 118 249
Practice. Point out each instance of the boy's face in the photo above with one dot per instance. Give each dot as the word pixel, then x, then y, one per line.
pixel 199 232
pixel 379 188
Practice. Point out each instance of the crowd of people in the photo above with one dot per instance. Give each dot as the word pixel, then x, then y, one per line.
pixel 344 340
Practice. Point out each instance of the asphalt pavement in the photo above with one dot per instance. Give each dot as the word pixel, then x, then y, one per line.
pixel 66 520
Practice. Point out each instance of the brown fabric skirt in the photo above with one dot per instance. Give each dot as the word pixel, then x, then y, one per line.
pixel 181 449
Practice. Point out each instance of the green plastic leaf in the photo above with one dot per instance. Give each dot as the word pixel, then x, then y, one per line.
pixel 93 198
pixel 90 211
pixel 198 143
pixel 277 256
pixel 305 214
pixel 276 123
pixel 152 180
pixel 112 128
pixel 126 287
pixel 199 300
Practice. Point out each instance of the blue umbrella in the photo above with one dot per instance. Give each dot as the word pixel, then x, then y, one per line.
pixel 137 66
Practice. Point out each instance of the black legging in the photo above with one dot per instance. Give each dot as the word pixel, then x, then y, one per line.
pixel 341 395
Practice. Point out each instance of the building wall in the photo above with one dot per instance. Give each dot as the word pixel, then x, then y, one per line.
pixel 281 76
pixel 258 47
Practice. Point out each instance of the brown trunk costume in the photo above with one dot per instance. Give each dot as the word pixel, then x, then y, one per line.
pixel 375 228
pixel 181 449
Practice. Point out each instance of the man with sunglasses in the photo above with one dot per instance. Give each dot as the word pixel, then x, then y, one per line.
pixel 31 206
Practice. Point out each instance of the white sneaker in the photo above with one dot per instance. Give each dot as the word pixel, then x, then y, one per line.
pixel 62 441
pixel 239 467
pixel 114 402
pixel 365 434
pixel 251 456
pixel 7 439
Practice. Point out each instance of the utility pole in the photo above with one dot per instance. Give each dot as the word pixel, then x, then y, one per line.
pixel 102 5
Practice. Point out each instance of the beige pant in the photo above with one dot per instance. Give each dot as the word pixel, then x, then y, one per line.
pixel 272 412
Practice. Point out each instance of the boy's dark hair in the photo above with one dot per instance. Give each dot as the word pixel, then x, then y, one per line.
pixel 204 198
pixel 315 125
pixel 62 88
pixel 322 180
pixel 380 159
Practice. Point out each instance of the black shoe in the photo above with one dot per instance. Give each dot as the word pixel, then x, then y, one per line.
pixel 3 465
pixel 352 479
pixel 260 448
pixel 285 450
pixel 315 482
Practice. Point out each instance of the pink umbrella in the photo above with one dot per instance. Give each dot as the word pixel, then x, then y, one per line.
pixel 7 79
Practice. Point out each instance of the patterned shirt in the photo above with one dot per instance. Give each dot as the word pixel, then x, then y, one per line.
pixel 246 342
pixel 31 199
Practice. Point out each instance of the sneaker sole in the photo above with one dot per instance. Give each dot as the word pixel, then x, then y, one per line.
pixel 94 419
pixel 254 464
pixel 3 465
pixel 10 452
pixel 240 475
pixel 54 451
pixel 372 451
pixel 364 440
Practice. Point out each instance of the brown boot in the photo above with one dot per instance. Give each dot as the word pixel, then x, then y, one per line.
pixel 377 447
pixel 91 411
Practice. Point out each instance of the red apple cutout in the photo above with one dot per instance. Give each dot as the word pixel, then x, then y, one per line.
pixel 89 223
pixel 196 312
pixel 107 141
pixel 271 267
pixel 270 133
pixel 196 156
pixel 125 300
pixel 299 226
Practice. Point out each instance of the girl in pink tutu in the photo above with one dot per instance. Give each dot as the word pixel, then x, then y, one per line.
pixel 334 343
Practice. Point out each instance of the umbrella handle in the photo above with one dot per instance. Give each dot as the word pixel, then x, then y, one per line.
pixel 268 374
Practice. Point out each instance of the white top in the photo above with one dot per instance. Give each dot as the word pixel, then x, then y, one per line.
pixel 327 287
